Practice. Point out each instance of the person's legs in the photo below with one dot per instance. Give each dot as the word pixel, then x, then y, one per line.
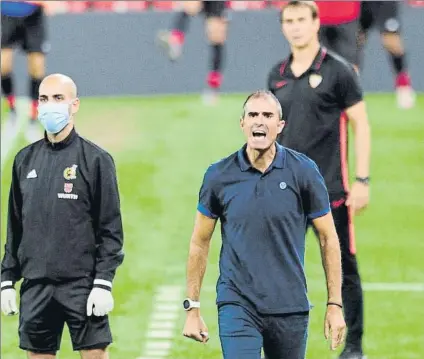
pixel 89 335
pixel 41 320
pixel 388 23
pixel 239 332
pixel 10 35
pixel 94 354
pixel 35 47
pixel 366 22
pixel 216 30
pixel 172 41
pixel 285 336
pixel 7 85
pixel 351 289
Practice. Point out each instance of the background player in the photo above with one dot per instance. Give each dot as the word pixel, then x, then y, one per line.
pixel 385 16
pixel 339 27
pixel 216 29
pixel 315 88
pixel 23 24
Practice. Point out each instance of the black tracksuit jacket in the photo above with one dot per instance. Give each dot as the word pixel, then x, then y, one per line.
pixel 64 218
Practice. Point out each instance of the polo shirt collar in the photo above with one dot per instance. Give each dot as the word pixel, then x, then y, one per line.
pixel 278 162
pixel 316 64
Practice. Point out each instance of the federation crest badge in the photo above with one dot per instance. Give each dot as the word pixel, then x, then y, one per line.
pixel 315 80
pixel 70 173
pixel 68 187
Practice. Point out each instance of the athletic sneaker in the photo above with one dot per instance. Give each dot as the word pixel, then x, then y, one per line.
pixel 210 97
pixel 172 48
pixel 405 94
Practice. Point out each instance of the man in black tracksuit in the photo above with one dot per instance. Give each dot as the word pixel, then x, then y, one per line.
pixel 64 235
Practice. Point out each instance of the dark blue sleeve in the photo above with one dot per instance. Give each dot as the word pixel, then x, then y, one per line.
pixel 208 201
pixel 315 197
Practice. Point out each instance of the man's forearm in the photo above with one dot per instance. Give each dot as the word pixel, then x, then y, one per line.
pixel 362 134
pixel 196 268
pixel 331 260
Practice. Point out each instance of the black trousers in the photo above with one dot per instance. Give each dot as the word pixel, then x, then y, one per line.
pixel 351 289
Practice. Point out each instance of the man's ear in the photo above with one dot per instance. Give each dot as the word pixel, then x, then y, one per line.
pixel 281 125
pixel 75 106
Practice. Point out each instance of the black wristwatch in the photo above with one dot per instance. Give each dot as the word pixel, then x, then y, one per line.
pixel 363 180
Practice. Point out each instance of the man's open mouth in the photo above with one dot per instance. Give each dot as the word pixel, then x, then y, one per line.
pixel 259 134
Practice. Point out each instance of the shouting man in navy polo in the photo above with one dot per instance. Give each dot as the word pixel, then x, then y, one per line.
pixel 264 196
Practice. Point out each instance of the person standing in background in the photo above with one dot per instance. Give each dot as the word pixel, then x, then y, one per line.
pixel 385 16
pixel 23 24
pixel 216 29
pixel 320 94
pixel 339 27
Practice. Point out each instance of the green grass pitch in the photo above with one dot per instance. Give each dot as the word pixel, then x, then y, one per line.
pixel 162 147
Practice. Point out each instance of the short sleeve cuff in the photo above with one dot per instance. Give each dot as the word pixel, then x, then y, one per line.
pixel 206 212
pixel 352 102
pixel 319 213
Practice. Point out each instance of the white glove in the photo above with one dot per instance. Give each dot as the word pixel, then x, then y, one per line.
pixel 101 300
pixel 8 301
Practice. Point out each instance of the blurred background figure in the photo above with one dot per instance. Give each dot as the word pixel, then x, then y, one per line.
pixel 216 29
pixel 23 24
pixel 339 27
pixel 385 16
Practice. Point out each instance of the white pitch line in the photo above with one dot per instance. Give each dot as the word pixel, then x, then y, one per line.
pixel 9 134
pixel 169 289
pixel 156 353
pixel 161 325
pixel 394 287
pixel 165 313
pixel 168 307
pixel 164 345
pixel 160 334
pixel 166 317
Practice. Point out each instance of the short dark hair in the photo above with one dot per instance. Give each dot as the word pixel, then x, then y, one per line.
pixel 310 4
pixel 263 94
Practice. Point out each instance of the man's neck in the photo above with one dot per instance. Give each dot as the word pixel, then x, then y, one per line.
pixel 306 55
pixel 261 160
pixel 55 138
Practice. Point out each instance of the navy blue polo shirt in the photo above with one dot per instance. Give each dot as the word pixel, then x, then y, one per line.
pixel 264 218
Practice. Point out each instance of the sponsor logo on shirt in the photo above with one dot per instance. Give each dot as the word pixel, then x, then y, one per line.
pixel 67 196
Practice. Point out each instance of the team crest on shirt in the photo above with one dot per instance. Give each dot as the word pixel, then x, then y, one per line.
pixel 68 187
pixel 315 80
pixel 70 173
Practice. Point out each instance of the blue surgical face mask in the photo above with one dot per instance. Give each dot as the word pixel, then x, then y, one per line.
pixel 54 116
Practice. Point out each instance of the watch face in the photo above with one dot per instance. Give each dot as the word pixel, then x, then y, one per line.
pixel 186 304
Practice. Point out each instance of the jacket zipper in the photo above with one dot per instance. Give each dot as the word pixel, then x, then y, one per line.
pixel 50 202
